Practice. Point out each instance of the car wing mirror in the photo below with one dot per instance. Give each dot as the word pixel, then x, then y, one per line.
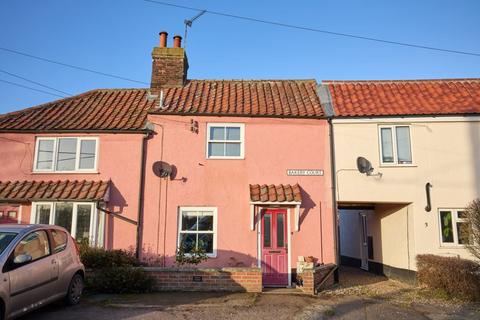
pixel 22 258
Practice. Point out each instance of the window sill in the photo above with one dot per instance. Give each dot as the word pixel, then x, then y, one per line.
pixel 453 246
pixel 398 166
pixel 225 158
pixel 65 172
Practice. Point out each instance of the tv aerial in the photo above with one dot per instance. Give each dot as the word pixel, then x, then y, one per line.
pixel 188 24
pixel 364 166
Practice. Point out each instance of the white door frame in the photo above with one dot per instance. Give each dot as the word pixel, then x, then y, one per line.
pixel 258 210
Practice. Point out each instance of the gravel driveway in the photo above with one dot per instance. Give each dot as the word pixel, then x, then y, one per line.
pixel 359 296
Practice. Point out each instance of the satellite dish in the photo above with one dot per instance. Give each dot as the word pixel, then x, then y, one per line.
pixel 164 170
pixel 364 166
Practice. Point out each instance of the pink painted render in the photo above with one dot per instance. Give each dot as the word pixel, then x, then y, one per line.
pixel 119 161
pixel 271 147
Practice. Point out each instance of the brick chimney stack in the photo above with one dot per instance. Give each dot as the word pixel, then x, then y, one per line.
pixel 169 65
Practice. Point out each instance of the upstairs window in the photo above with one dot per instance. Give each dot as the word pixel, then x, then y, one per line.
pixel 225 141
pixel 67 154
pixel 395 145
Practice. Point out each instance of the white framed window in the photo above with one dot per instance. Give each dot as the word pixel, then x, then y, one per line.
pixel 197 227
pixel 66 154
pixel 395 145
pixel 454 227
pixel 225 141
pixel 81 219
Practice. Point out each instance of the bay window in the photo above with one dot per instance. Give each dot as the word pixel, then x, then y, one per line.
pixel 81 219
pixel 66 154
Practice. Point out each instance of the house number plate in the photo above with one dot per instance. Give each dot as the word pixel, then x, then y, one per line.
pixel 304 172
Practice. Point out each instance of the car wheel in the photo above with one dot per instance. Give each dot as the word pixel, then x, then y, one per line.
pixel 75 290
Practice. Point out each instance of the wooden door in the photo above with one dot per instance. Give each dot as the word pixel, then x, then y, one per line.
pixel 274 247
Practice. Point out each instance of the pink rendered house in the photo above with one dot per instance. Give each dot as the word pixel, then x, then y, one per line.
pixel 238 167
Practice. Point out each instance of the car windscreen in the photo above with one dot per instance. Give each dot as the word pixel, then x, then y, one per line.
pixel 5 239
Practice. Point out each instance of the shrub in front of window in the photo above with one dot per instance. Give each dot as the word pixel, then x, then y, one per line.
pixel 126 279
pixel 454 277
pixel 114 271
pixel 190 255
pixel 473 217
pixel 98 258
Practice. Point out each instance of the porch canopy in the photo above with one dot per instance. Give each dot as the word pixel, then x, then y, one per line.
pixel 281 194
pixel 27 191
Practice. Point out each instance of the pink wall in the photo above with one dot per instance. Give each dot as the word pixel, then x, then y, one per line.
pixel 271 147
pixel 119 160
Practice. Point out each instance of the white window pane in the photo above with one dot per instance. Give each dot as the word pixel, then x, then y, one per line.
pixel 403 145
pixel 232 149
pixel 387 145
pixel 63 215
pixel 233 133
pixel 66 154
pixel 42 214
pixel 84 212
pixel 446 226
pixel 216 149
pixel 45 154
pixel 87 154
pixel 217 133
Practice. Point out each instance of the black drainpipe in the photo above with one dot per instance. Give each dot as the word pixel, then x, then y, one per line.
pixel 138 248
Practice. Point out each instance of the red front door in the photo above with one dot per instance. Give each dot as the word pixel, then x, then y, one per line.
pixel 274 248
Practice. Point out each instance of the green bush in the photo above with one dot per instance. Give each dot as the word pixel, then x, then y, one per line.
pixel 97 258
pixel 125 279
pixel 457 278
pixel 114 271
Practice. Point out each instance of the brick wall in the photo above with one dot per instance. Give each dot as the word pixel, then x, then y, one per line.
pixel 225 279
pixel 312 278
pixel 169 68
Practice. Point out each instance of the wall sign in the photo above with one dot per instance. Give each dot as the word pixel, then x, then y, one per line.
pixel 304 172
pixel 197 279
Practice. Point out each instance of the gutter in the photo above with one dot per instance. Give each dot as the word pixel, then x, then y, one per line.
pixel 119 216
pixel 132 131
pixel 225 115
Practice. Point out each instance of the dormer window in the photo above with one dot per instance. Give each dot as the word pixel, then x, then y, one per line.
pixel 66 154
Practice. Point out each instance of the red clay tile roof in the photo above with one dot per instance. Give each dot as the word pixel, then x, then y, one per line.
pixel 277 98
pixel 405 97
pixel 275 193
pixel 109 109
pixel 126 109
pixel 53 190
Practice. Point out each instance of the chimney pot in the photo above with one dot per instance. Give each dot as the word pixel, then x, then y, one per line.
pixel 163 39
pixel 177 41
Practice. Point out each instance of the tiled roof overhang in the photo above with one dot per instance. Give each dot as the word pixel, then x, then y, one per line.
pixel 275 193
pixel 126 110
pixel 26 191
pixel 387 98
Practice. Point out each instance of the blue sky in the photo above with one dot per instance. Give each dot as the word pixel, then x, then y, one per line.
pixel 116 36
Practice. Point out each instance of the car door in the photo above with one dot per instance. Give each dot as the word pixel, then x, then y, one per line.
pixel 64 260
pixel 31 282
